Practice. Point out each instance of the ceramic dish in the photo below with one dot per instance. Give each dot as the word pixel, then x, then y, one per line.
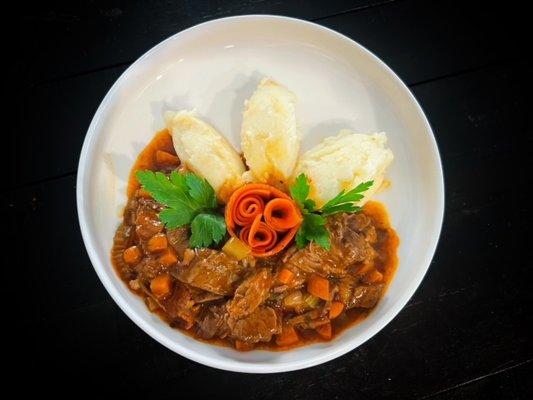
pixel 213 67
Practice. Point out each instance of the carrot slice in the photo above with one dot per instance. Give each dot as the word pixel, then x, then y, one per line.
pixel 363 269
pixel 246 203
pixel 372 276
pixel 132 255
pixel 285 276
pixel 261 236
pixel 287 336
pixel 161 286
pixel 168 258
pixel 247 209
pixel 325 331
pixel 335 309
pixel 318 286
pixel 157 243
pixel 282 214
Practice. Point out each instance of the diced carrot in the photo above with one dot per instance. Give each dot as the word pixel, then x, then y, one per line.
pixel 335 309
pixel 168 258
pixel 363 269
pixel 243 346
pixel 143 193
pixel 161 286
pixel 285 276
pixel 287 336
pixel 157 243
pixel 164 158
pixel 325 331
pixel 318 286
pixel 132 255
pixel 373 276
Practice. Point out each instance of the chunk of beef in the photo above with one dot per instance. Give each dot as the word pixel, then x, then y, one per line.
pixel 346 287
pixel 353 294
pixel 356 222
pixel 258 326
pixel 149 203
pixel 315 259
pixel 149 268
pixel 201 296
pixel 349 244
pixel 348 239
pixel 210 270
pixel 147 223
pixel 250 294
pixel 366 296
pixel 213 322
pixel 180 306
pixel 179 240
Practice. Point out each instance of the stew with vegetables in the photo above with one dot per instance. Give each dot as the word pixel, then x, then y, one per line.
pixel 271 292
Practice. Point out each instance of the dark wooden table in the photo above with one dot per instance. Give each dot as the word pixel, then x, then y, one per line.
pixel 465 334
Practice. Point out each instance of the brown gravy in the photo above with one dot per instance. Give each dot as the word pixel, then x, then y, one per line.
pixel 386 261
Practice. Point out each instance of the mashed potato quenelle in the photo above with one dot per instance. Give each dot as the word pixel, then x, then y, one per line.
pixel 270 139
pixel 205 152
pixel 342 162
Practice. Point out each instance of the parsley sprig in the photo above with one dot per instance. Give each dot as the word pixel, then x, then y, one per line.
pixel 313 228
pixel 189 200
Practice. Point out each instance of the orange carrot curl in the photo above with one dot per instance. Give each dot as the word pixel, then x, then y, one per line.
pixel 263 217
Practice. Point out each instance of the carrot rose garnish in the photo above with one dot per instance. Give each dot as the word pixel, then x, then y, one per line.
pixel 282 214
pixel 263 217
pixel 247 208
pixel 259 235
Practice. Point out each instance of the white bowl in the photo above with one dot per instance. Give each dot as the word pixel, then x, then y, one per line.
pixel 213 67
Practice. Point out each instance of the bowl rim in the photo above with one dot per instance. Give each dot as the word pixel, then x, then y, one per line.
pixel 235 365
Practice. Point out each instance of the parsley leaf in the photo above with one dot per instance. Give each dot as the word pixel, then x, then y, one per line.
pixel 346 200
pixel 301 240
pixel 189 200
pixel 173 218
pixel 206 229
pixel 313 227
pixel 345 207
pixel 300 190
pixel 309 205
pixel 313 230
pixel 201 191
pixel 165 191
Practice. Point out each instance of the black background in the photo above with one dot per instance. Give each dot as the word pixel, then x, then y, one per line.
pixel 464 334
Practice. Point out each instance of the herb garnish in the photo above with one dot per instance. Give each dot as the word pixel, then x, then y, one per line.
pixel 313 228
pixel 189 200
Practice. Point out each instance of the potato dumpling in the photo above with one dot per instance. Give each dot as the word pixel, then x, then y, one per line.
pixel 205 152
pixel 344 161
pixel 270 139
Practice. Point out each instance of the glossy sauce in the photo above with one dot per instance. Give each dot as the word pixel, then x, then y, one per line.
pixel 147 159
